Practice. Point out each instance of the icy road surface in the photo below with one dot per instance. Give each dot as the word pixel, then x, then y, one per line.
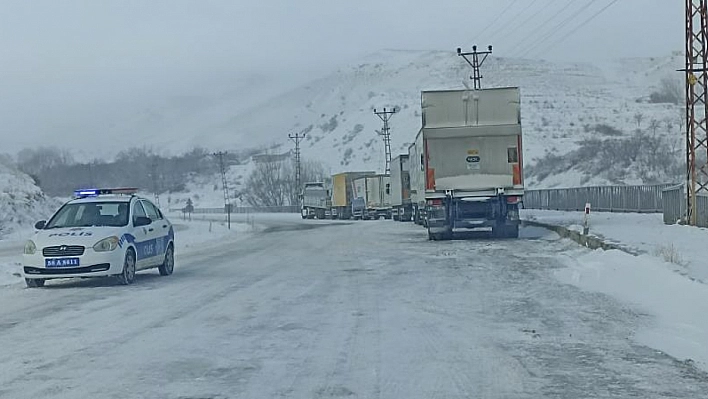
pixel 336 310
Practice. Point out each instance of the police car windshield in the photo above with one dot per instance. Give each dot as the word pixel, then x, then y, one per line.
pixel 87 214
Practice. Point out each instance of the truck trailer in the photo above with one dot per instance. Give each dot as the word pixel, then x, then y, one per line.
pixel 375 191
pixel 342 193
pixel 315 201
pixel 401 189
pixel 467 162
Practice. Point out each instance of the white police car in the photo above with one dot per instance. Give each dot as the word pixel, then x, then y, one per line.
pixel 102 232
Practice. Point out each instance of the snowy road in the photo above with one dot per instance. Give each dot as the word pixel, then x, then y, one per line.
pixel 327 310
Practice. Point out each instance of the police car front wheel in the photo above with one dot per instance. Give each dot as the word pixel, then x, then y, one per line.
pixel 168 266
pixel 127 276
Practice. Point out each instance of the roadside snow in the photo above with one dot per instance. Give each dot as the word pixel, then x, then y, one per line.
pixel 677 303
pixel 683 247
pixel 189 236
pixel 668 279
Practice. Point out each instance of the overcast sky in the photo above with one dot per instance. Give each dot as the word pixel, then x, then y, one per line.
pixel 57 55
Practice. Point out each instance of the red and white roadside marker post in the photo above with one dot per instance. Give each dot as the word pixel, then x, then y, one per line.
pixel 586 219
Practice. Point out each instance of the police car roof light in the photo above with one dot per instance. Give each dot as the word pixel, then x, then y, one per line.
pixel 95 192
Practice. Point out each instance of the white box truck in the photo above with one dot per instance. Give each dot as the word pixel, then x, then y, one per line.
pixel 467 162
pixel 401 189
pixel 315 202
pixel 372 197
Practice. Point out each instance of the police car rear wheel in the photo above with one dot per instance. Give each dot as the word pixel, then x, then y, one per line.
pixel 34 282
pixel 168 266
pixel 127 277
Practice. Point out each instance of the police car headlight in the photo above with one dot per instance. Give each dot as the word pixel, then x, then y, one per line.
pixel 30 247
pixel 106 245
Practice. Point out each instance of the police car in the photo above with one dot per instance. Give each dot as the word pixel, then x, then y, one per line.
pixel 101 232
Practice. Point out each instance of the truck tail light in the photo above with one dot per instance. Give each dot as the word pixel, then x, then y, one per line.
pixel 516 179
pixel 513 199
pixel 435 202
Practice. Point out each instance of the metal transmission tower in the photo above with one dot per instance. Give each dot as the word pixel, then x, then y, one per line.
pixel 224 184
pixel 476 63
pixel 385 132
pixel 696 104
pixel 296 137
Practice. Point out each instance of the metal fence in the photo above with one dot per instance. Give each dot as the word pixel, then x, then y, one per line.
pixel 244 209
pixel 642 199
pixel 674 199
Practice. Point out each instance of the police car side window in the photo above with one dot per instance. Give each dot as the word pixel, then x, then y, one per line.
pixel 151 210
pixel 138 211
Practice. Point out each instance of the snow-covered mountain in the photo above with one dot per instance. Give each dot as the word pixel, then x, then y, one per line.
pixel 562 103
pixel 22 203
pixel 563 106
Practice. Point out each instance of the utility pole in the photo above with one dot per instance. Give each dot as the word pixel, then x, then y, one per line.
pixel 224 184
pixel 696 105
pixel 155 187
pixel 296 137
pixel 475 63
pixel 385 132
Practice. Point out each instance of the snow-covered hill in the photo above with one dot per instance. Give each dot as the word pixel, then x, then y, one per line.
pixel 22 203
pixel 561 105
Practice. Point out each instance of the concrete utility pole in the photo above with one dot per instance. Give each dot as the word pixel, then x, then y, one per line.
pixel 224 184
pixel 696 105
pixel 155 182
pixel 296 137
pixel 475 63
pixel 385 132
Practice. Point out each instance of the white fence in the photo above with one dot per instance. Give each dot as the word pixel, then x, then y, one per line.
pixel 642 199
pixel 674 199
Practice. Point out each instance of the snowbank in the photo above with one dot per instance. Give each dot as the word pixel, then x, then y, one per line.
pixel 668 280
pixel 677 303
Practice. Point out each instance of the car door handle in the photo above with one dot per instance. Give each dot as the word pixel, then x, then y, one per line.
pixel 151 229
pixel 164 226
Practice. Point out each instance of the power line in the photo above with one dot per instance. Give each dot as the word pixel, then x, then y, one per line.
pixel 557 28
pixel 577 28
pixel 521 44
pixel 529 18
pixel 498 17
pixel 503 27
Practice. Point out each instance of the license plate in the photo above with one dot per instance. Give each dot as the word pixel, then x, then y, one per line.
pixel 61 262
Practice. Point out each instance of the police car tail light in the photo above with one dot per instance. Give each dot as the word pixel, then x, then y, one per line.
pixel 30 248
pixel 106 245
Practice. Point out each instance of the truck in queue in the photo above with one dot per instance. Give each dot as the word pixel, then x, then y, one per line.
pixel 401 207
pixel 466 162
pixel 375 191
pixel 343 193
pixel 314 201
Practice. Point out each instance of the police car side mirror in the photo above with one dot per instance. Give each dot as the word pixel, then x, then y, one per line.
pixel 141 221
pixel 40 225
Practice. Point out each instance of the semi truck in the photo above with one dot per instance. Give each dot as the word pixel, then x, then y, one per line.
pixel 466 163
pixel 342 193
pixel 315 201
pixel 401 189
pixel 375 191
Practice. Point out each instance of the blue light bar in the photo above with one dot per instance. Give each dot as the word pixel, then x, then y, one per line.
pixel 86 193
pixel 95 192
